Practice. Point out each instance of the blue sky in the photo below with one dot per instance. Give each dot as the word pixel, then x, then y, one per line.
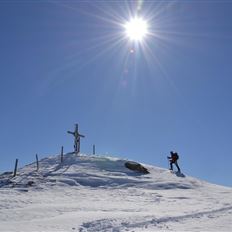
pixel 67 62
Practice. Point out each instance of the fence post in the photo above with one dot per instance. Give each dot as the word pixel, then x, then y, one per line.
pixel 62 155
pixel 15 169
pixel 37 163
pixel 94 149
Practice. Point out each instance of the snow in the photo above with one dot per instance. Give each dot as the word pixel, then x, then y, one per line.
pixel 98 193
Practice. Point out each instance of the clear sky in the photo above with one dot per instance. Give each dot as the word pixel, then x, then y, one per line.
pixel 67 62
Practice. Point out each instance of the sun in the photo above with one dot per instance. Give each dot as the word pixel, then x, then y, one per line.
pixel 136 29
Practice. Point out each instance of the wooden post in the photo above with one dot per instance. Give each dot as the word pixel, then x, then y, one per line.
pixel 37 163
pixel 62 154
pixel 15 169
pixel 94 149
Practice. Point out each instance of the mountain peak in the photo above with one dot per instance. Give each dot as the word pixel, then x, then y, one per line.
pixel 96 171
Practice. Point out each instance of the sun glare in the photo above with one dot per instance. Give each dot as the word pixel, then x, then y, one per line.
pixel 136 29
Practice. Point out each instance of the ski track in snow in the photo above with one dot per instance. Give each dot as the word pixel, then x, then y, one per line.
pixel 96 193
pixel 143 224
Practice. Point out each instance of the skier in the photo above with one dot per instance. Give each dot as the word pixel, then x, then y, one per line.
pixel 173 160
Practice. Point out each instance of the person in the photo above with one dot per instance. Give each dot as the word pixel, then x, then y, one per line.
pixel 173 160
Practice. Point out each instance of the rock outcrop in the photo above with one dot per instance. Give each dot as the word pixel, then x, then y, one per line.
pixel 136 167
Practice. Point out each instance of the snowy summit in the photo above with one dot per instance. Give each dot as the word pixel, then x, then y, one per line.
pixel 97 193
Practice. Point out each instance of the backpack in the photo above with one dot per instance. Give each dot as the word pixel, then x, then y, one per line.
pixel 175 156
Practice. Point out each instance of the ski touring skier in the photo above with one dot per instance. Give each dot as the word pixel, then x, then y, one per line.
pixel 173 160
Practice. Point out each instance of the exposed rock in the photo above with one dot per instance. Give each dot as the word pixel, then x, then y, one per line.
pixel 136 167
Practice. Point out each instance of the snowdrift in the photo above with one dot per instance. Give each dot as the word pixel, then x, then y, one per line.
pixel 97 193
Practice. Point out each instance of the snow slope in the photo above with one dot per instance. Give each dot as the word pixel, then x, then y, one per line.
pixel 96 193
